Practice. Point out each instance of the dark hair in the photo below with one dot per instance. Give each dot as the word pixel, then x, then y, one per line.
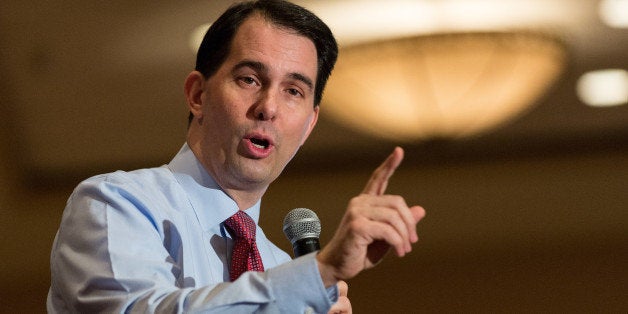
pixel 216 44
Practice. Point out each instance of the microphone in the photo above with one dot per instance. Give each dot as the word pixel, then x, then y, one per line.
pixel 302 227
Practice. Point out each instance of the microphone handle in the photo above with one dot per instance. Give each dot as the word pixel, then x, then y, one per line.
pixel 305 246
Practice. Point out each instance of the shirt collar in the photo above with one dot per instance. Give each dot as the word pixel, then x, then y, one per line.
pixel 210 203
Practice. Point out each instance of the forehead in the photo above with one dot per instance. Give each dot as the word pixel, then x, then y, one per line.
pixel 278 47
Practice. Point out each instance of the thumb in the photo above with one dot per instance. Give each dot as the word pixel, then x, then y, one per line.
pixel 417 213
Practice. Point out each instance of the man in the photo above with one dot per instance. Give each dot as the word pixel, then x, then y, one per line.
pixel 164 239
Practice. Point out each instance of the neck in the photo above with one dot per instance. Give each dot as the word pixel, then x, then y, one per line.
pixel 244 199
pixel 244 194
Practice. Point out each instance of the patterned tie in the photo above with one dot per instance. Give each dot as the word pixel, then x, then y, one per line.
pixel 245 255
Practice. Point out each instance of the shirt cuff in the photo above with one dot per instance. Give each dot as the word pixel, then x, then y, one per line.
pixel 298 286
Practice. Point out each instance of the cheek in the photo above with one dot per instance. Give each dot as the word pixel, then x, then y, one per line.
pixel 300 129
pixel 233 105
pixel 221 109
pixel 306 128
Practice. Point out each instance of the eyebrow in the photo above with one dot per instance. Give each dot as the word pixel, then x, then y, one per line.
pixel 260 67
pixel 300 77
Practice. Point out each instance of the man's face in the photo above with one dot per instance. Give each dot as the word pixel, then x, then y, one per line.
pixel 258 108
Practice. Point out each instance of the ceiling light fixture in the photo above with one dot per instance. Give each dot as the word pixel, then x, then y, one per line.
pixel 377 20
pixel 614 13
pixel 442 85
pixel 603 88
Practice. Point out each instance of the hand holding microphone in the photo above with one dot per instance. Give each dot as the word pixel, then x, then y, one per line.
pixel 373 224
pixel 303 228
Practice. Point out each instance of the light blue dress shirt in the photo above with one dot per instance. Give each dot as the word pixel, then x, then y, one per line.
pixel 153 240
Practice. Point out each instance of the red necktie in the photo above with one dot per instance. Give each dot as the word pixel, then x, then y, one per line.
pixel 245 255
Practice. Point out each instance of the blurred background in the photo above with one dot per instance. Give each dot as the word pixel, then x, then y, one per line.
pixel 515 148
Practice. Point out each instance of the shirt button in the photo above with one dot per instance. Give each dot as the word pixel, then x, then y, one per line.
pixel 309 310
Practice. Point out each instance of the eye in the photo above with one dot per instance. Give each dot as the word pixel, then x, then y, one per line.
pixel 248 80
pixel 294 92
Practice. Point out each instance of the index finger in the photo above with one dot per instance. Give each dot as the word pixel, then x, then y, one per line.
pixel 379 179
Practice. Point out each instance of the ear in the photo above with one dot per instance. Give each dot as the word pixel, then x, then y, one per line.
pixel 193 92
pixel 311 125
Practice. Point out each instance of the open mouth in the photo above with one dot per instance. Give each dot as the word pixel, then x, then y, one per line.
pixel 260 143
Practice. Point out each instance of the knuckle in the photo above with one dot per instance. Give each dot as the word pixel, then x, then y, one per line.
pixel 393 236
pixel 399 201
pixel 355 225
pixel 355 201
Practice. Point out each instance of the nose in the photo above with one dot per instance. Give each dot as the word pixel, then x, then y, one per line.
pixel 266 106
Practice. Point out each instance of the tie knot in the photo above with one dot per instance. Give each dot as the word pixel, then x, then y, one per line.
pixel 241 225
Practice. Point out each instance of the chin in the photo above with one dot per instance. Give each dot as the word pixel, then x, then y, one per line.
pixel 254 175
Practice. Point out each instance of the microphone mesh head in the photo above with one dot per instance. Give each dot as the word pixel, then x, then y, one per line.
pixel 301 223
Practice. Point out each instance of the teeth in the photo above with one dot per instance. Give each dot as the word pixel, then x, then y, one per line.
pixel 259 143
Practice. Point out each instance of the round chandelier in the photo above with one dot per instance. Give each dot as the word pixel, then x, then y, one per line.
pixel 441 85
